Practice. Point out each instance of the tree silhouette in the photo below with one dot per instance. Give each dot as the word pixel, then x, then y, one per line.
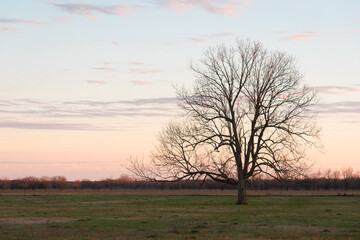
pixel 247 113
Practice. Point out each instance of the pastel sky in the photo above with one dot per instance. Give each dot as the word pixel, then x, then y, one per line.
pixel 87 84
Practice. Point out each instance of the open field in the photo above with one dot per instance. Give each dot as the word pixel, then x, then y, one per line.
pixel 83 215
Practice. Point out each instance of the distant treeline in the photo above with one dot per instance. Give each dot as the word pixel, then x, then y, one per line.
pixel 344 179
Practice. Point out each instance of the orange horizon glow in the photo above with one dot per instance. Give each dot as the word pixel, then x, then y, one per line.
pixel 84 87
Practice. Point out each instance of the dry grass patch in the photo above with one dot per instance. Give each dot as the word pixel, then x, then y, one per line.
pixel 34 220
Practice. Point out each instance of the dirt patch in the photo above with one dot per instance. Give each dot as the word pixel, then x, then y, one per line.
pixel 34 220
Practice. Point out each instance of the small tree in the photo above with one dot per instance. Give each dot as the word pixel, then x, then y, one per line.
pixel 45 182
pixel 76 184
pixel 59 182
pixel 336 178
pixel 32 182
pixel 348 176
pixel 5 183
pixel 247 113
pixel 328 179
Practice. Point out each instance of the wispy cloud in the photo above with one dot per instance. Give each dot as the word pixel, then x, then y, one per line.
pixel 140 64
pixel 339 107
pixel 198 39
pixel 96 81
pixel 104 68
pixel 63 20
pixel 146 101
pixel 140 83
pixel 89 11
pixel 80 115
pixel 25 163
pixel 49 126
pixel 144 71
pixel 335 90
pixel 301 37
pixel 93 115
pixel 18 20
pixel 142 102
pixel 350 31
pixel 219 35
pixel 223 7
pixel 5 103
pixel 8 29
pixel 207 38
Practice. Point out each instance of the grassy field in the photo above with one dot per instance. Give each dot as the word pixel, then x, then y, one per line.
pixel 160 216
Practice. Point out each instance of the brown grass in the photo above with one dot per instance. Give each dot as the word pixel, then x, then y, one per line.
pixel 34 220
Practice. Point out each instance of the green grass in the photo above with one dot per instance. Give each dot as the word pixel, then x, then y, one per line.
pixel 179 217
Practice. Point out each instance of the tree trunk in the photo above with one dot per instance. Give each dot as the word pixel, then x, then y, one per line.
pixel 241 193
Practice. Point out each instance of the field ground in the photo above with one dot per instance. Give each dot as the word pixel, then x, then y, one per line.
pixel 171 215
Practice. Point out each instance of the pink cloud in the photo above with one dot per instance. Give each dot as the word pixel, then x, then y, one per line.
pixel 350 31
pixel 144 71
pixel 177 6
pixel 115 43
pixel 302 37
pixel 5 102
pixel 219 35
pixel 104 68
pixel 335 90
pixel 89 10
pixel 63 20
pixel 96 81
pixel 30 100
pixel 7 29
pixel 207 38
pixel 17 20
pixel 198 39
pixel 225 7
pixel 228 10
pixel 140 83
pixel 140 64
pixel 327 91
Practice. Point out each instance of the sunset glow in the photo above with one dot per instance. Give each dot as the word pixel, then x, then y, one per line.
pixel 85 85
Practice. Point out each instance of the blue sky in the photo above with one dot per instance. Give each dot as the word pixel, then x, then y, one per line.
pixel 84 85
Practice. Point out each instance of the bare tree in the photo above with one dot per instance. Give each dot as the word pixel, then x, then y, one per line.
pixel 348 176
pixel 59 182
pixel 76 184
pixel 247 113
pixel 336 177
pixel 328 178
pixel 45 182
pixel 4 183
